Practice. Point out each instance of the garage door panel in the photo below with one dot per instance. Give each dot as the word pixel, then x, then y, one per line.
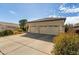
pixel 34 30
pixel 49 30
pixel 52 30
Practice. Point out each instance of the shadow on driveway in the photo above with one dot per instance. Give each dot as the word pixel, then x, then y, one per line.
pixel 37 36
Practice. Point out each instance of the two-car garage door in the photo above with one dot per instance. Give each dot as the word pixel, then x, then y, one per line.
pixel 46 29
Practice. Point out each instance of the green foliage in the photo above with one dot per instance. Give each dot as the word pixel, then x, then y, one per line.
pixel 68 27
pixel 1 34
pixel 66 44
pixel 18 31
pixel 6 32
pixel 22 24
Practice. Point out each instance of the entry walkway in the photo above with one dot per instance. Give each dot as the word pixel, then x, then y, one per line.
pixel 24 45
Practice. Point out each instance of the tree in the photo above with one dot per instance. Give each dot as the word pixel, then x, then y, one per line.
pixel 69 27
pixel 22 24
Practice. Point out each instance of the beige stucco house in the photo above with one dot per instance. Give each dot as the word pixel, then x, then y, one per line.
pixel 52 26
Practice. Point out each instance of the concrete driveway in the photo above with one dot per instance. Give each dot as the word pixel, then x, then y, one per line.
pixel 25 45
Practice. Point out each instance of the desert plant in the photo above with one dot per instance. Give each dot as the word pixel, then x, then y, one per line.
pixel 68 27
pixel 1 34
pixel 66 44
pixel 18 31
pixel 7 32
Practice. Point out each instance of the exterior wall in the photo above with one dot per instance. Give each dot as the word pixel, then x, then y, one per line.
pixel 47 27
pixel 7 27
pixel 76 28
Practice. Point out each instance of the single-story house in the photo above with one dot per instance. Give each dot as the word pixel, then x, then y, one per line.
pixel 7 26
pixel 76 27
pixel 52 26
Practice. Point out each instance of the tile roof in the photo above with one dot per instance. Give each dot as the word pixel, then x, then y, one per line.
pixel 48 19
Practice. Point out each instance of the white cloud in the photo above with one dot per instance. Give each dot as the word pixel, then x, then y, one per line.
pixel 72 20
pixel 64 9
pixel 12 12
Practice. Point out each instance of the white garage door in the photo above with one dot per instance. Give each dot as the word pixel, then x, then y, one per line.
pixel 49 30
pixel 34 29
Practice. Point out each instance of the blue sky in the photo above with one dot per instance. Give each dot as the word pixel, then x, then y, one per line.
pixel 14 12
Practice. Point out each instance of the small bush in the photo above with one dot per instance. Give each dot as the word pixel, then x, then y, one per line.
pixel 1 34
pixel 18 31
pixel 66 44
pixel 6 32
pixel 10 32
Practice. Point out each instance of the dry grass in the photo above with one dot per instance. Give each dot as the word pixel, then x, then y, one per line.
pixel 66 44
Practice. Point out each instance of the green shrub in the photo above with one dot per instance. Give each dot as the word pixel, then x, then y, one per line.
pixel 18 31
pixel 1 34
pixel 66 44
pixel 10 32
pixel 6 32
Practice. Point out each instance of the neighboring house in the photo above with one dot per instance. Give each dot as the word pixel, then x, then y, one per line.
pixel 76 27
pixel 7 26
pixel 52 26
